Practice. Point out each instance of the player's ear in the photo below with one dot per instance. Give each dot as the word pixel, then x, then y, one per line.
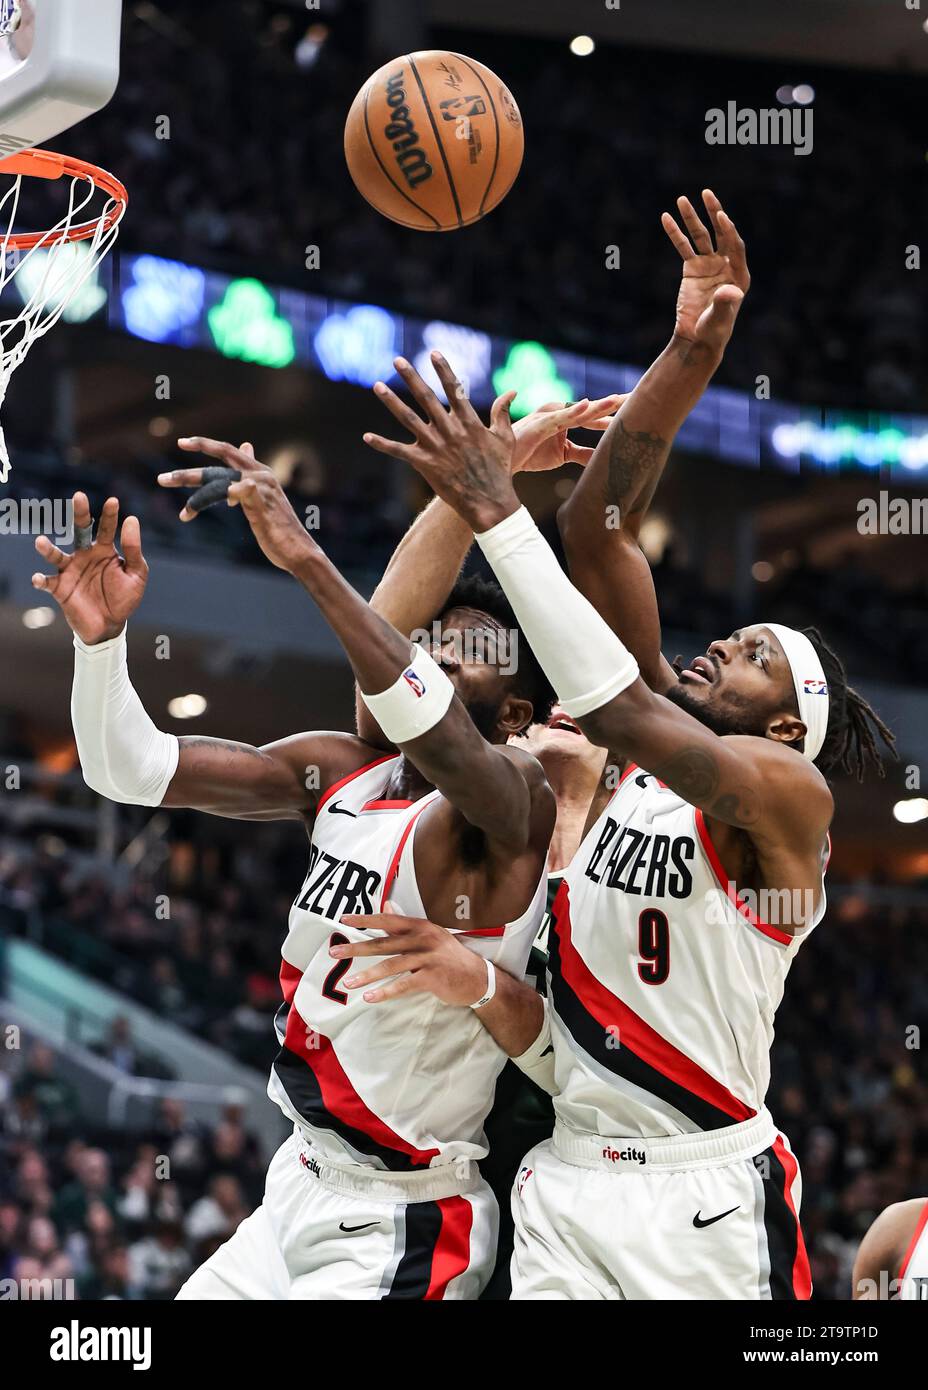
pixel 516 714
pixel 786 728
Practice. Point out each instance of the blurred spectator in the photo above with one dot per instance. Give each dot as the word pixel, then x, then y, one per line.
pixel 91 1184
pixel 120 1050
pixel 159 1263
pixel 42 1256
pixel 110 1277
pixel 216 1216
pixel 51 1095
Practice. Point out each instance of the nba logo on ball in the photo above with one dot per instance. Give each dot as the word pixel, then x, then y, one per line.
pixel 814 687
pixel 434 141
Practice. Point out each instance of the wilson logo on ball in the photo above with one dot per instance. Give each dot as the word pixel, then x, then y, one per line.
pixel 433 140
pixel 401 133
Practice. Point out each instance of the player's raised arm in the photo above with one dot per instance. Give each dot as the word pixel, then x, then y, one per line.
pixel 123 755
pixel 601 520
pixel 430 557
pixel 415 586
pixel 495 789
pixel 594 674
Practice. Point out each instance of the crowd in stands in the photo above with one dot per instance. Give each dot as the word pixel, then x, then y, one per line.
pixel 202 953
pixel 108 1213
pixel 610 143
pixel 850 1086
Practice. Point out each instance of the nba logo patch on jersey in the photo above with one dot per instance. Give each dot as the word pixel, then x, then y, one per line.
pixel 522 1179
pixel 415 682
pixel 814 687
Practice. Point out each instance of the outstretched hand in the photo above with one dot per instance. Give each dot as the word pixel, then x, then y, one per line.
pixel 464 461
pixel 542 438
pixel 96 588
pixel 715 280
pixel 238 477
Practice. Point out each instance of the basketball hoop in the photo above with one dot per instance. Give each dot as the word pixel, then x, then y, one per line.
pixel 55 265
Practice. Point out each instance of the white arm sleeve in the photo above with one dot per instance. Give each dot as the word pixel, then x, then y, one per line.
pixel 123 756
pixel 537 1061
pixel 579 653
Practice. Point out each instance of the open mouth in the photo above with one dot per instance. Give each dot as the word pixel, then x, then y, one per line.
pixel 702 670
pixel 560 721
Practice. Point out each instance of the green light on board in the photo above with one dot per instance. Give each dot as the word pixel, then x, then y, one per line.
pixel 246 325
pixel 891 441
pixel 53 275
pixel 532 371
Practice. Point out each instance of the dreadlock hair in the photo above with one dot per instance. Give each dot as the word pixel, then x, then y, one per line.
pixel 529 681
pixel 850 739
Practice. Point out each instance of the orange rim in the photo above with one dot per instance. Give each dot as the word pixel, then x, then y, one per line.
pixel 44 164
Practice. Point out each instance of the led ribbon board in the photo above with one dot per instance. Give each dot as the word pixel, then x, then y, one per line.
pixel 167 301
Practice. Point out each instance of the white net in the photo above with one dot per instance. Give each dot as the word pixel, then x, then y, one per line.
pixel 51 276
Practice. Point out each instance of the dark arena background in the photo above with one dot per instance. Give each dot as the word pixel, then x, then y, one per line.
pixel 253 294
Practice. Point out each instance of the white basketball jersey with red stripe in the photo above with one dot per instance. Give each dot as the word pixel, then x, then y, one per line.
pixel 663 989
pixel 397 1085
pixel 914 1268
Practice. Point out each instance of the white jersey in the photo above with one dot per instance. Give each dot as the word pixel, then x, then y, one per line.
pixel 398 1085
pixel 663 986
pixel 913 1272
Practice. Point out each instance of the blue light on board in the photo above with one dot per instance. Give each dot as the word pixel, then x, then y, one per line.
pixel 164 298
pixel 358 345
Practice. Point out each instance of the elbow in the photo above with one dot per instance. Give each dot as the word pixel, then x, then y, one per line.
pixel 96 779
pixel 100 785
pixel 93 778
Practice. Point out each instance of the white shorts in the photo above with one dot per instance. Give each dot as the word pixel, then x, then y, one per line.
pixel 709 1216
pixel 354 1233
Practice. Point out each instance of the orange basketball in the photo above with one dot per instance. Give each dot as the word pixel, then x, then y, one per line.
pixel 434 140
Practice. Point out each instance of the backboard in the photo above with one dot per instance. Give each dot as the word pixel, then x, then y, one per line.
pixel 59 63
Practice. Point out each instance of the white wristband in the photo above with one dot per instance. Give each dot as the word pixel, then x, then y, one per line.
pixel 416 701
pixel 491 986
pixel 579 653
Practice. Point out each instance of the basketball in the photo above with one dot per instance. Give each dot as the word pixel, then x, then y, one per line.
pixel 434 140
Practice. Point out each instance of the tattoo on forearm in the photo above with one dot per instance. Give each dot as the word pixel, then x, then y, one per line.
pixel 634 455
pixel 694 775
pixel 222 745
pixel 691 354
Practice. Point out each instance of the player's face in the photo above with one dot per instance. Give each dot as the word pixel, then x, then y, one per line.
pixel 741 685
pixel 479 655
pixel 560 740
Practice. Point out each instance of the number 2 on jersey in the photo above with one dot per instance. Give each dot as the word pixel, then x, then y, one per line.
pixel 339 969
